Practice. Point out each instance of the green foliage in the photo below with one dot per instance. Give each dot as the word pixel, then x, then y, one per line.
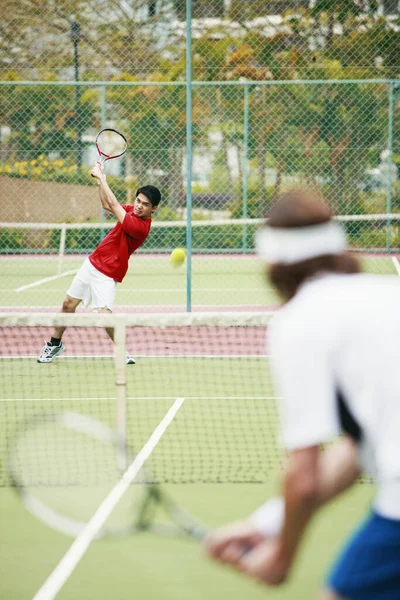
pixel 42 169
pixel 12 240
pixel 396 196
pixel 43 120
pixel 374 236
pixel 255 208
pixel 316 133
pixel 205 239
pixel 219 180
pixel 165 213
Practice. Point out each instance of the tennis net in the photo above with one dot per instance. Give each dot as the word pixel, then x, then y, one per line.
pixel 225 431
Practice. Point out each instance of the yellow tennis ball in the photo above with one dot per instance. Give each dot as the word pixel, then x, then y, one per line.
pixel 177 257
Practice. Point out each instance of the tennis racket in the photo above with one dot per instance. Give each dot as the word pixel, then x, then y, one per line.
pixel 62 465
pixel 110 143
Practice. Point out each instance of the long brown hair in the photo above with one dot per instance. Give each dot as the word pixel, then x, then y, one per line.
pixel 303 207
pixel 288 278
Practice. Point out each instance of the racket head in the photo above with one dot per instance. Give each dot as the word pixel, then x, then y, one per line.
pixel 110 143
pixel 63 464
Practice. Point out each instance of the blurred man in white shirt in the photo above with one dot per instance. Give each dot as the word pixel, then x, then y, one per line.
pixel 336 368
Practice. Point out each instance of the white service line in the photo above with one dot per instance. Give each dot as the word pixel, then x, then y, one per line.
pixel 396 264
pixel 112 399
pixel 45 280
pixel 148 290
pixel 67 564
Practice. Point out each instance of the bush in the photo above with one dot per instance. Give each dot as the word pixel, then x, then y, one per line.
pixel 164 213
pixel 79 240
pixel 375 237
pixel 42 169
pixel 396 195
pixel 208 238
pixel 256 209
pixel 12 240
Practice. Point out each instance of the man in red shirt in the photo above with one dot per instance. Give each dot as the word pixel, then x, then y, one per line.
pixel 97 278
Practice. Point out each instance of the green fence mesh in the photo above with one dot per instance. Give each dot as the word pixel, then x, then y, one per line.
pixel 283 92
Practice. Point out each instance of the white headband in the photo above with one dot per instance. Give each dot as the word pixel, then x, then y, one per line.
pixel 294 244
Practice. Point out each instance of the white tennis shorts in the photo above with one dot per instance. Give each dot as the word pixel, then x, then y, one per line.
pixel 91 285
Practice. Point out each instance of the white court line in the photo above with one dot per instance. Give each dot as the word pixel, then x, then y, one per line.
pixel 45 280
pixel 158 356
pixel 67 564
pixel 84 398
pixel 147 290
pixel 150 290
pixel 396 264
pixel 131 307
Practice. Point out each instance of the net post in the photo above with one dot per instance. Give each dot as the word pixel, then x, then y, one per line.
pixel 61 250
pixel 120 383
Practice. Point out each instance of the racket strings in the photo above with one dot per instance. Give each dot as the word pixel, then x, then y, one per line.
pixel 111 143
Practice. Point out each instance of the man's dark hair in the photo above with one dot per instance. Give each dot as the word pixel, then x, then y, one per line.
pixel 302 207
pixel 299 207
pixel 151 192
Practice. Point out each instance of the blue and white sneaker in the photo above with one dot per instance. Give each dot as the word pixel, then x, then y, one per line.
pixel 49 352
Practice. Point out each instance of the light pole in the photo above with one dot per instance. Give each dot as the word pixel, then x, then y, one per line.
pixel 75 35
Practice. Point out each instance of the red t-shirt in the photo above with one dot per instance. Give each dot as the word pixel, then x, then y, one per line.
pixel 112 254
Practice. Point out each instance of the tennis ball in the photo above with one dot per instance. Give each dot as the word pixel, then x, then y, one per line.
pixel 177 257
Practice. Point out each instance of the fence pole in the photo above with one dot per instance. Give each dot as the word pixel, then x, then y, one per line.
pixel 189 155
pixel 390 154
pixel 103 125
pixel 245 165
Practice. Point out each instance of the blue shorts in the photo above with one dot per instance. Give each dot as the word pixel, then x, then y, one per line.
pixel 369 566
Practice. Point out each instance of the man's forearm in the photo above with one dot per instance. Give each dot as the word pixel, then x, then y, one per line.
pixel 300 492
pixel 109 201
pixel 103 198
pixel 107 198
pixel 337 469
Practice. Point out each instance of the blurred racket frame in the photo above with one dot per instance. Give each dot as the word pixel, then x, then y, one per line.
pixel 148 497
pixel 113 138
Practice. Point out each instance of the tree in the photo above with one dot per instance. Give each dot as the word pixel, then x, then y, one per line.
pixel 391 7
pixel 36 36
pixel 201 9
pixel 343 12
pixel 43 120
pixel 253 9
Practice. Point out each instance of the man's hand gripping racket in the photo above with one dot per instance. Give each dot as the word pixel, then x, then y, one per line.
pixel 250 546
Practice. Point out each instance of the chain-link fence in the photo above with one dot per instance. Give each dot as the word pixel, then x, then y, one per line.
pixel 282 92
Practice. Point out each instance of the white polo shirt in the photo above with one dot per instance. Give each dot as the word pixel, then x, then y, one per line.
pixel 341 334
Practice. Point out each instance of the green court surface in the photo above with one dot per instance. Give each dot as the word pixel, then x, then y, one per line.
pixel 223 432
pixel 226 431
pixel 218 282
pixel 148 567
